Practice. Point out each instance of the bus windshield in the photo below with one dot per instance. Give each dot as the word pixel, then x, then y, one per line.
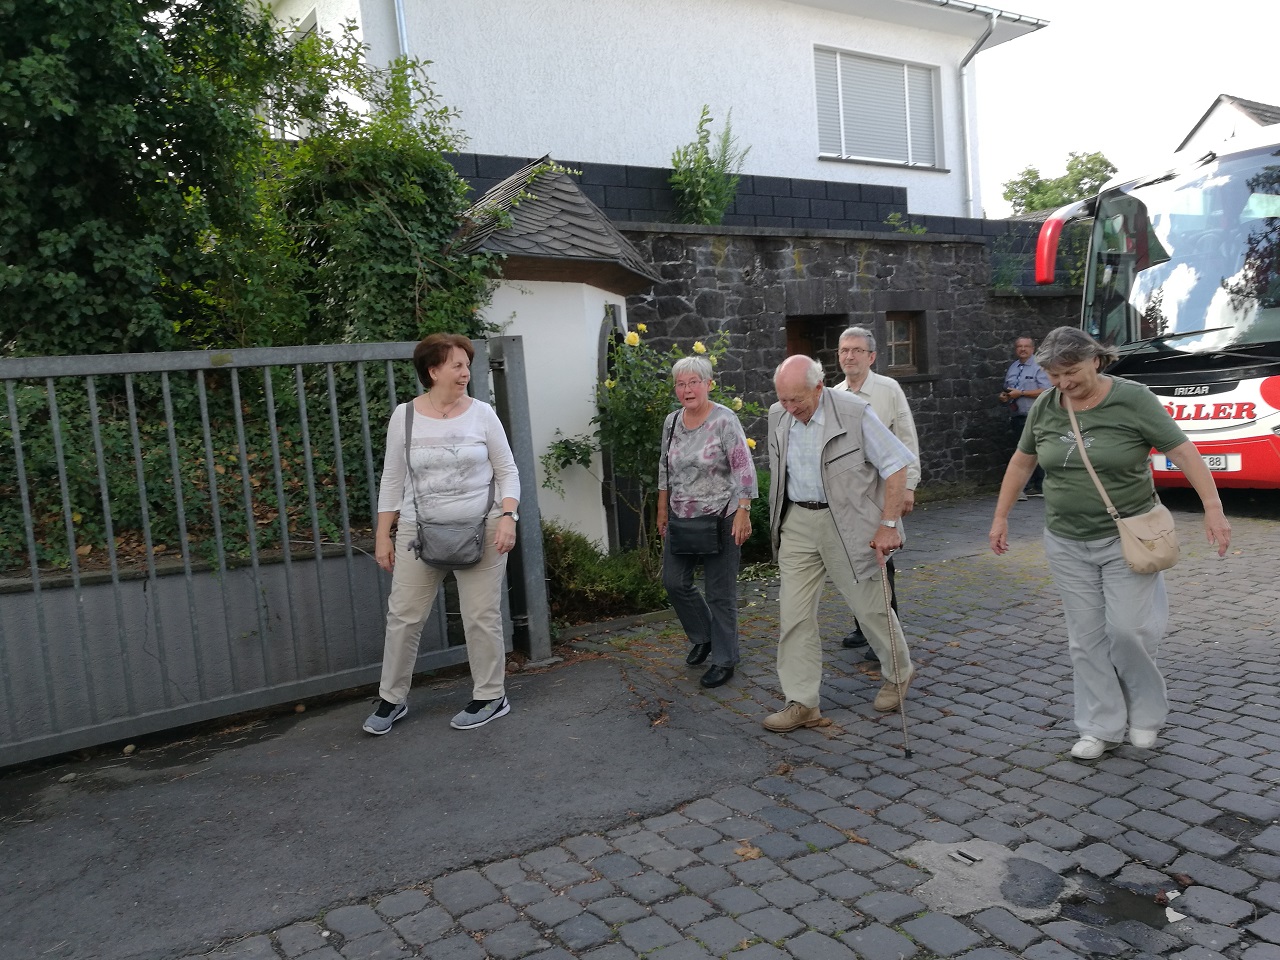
pixel 1189 261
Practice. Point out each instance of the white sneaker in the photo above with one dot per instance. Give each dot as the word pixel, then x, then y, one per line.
pixel 1091 748
pixel 1143 738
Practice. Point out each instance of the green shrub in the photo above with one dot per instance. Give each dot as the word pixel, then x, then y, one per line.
pixel 704 177
pixel 585 584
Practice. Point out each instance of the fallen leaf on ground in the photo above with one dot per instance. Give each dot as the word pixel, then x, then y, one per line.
pixel 748 852
pixel 853 837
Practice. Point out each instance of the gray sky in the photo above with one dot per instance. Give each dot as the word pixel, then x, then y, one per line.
pixel 1127 77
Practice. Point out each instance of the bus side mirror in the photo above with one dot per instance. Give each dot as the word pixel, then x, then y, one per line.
pixel 1050 235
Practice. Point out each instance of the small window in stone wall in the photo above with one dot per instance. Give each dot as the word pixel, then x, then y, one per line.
pixel 903 349
pixel 804 336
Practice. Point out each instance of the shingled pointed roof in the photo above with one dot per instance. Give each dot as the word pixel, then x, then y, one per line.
pixel 1263 114
pixel 555 233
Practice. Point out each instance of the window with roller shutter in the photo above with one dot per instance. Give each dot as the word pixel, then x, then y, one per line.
pixel 873 109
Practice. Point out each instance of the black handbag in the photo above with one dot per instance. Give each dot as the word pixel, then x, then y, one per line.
pixel 690 536
pixel 454 545
pixel 694 536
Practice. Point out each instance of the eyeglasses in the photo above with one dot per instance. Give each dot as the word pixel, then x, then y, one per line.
pixel 845 351
pixel 688 384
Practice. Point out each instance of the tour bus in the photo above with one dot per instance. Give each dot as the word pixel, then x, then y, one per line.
pixel 1183 279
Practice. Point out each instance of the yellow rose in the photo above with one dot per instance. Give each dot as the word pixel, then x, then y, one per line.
pixel 712 358
pixel 751 443
pixel 633 339
pixel 610 384
pixel 737 403
pixel 699 347
pixel 642 328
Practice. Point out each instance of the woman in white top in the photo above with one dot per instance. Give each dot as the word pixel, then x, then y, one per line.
pixel 458 448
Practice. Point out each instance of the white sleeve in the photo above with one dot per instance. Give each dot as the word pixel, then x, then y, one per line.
pixel 501 458
pixel 391 489
pixel 904 428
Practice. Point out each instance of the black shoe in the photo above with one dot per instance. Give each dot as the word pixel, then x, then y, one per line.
pixel 698 653
pixel 716 676
pixel 855 639
pixel 871 655
pixel 1034 492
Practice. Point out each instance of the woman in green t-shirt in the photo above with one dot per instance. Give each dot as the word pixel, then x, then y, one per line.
pixel 1115 617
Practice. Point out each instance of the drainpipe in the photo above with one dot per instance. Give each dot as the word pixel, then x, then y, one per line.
pixel 402 31
pixel 964 113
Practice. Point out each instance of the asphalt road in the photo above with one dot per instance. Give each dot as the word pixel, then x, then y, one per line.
pixel 176 848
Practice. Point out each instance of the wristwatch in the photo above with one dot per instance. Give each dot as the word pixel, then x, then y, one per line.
pixel 891 524
pixel 512 514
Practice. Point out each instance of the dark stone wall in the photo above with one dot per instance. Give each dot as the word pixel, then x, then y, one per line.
pixel 756 284
pixel 633 194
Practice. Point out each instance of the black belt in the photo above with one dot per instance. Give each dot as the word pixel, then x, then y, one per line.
pixel 811 504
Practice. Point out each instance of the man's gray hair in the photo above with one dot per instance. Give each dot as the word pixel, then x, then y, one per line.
pixel 862 332
pixel 1067 346
pixel 696 365
pixel 813 374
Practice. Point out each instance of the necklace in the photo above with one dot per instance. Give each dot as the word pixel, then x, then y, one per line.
pixel 448 406
pixel 1102 386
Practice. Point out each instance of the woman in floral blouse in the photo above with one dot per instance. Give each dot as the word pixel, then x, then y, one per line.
pixel 705 470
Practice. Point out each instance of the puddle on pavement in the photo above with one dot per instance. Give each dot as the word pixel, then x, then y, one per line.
pixel 1099 904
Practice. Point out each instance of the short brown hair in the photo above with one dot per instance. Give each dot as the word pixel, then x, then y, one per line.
pixel 435 349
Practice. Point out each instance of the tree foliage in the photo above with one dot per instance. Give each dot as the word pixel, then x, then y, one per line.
pixel 371 203
pixel 147 202
pixel 1086 173
pixel 129 133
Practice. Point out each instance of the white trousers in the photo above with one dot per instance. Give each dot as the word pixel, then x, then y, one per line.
pixel 1115 620
pixel 810 551
pixel 414 585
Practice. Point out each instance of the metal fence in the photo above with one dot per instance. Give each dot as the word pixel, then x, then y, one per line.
pixel 187 536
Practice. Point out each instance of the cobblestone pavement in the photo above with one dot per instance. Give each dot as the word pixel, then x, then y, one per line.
pixel 825 858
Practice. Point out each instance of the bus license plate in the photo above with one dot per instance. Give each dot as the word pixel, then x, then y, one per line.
pixel 1216 462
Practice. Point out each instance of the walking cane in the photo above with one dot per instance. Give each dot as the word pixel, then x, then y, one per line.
pixel 893 654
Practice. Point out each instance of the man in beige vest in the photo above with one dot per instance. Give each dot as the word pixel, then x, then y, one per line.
pixel 838 481
pixel 857 355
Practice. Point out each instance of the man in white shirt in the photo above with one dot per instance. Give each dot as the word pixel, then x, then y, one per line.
pixel 857 355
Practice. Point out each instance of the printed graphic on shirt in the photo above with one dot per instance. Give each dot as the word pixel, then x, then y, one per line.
pixel 1070 440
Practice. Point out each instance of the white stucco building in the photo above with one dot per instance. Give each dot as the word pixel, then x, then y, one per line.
pixel 1226 119
pixel 861 91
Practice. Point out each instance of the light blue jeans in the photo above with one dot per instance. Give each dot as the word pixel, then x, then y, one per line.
pixel 1115 621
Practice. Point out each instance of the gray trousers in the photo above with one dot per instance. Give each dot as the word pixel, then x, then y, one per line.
pixel 1115 621
pixel 712 618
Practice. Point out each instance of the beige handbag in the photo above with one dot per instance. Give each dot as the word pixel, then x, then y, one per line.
pixel 1148 541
